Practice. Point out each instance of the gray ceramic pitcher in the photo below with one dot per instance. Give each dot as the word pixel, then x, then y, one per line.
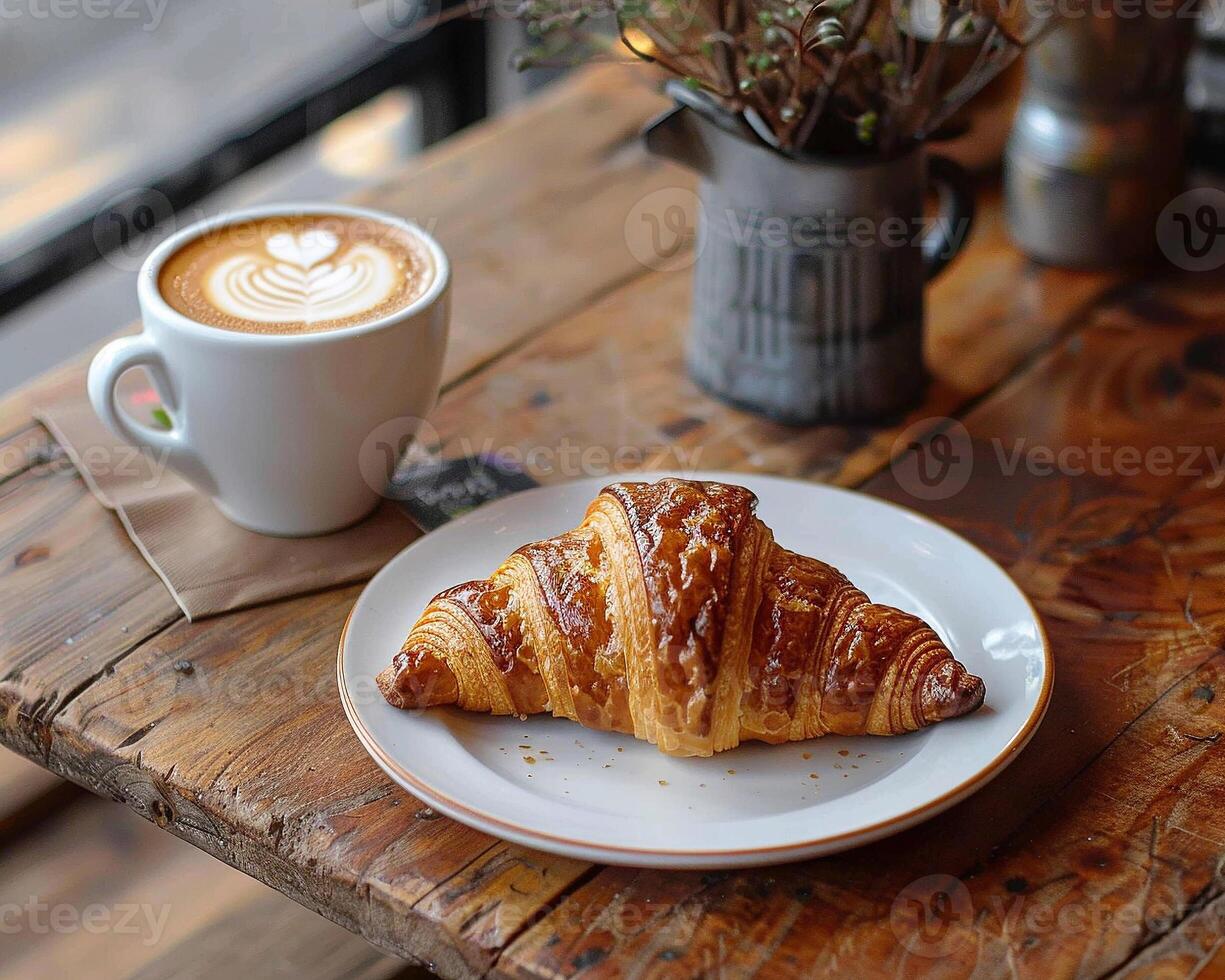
pixel 809 279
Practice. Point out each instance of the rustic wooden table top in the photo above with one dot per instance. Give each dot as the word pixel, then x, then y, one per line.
pixel 1100 850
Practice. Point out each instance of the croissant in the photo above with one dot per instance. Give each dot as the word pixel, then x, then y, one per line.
pixel 670 614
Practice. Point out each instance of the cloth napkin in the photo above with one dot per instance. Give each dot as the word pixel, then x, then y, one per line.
pixel 209 565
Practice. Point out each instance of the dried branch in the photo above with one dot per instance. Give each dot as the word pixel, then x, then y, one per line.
pixel 834 76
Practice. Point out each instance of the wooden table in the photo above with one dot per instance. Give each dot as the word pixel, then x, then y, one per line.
pixel 1100 850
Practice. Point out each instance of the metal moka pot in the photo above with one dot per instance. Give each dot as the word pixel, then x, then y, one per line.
pixel 1097 148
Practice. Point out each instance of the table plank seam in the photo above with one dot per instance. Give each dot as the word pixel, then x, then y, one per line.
pixel 215 839
pixel 43 717
pixel 51 453
pixel 1213 890
pixel 481 367
pixel 441 885
pixel 1205 960
pixel 1215 654
pixel 1076 322
pixel 509 938
pixel 1206 896
pixel 21 430
pixel 475 899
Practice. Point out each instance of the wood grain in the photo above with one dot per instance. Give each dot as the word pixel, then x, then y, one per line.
pixel 284 802
pixel 529 208
pixel 1193 948
pixel 541 155
pixel 1126 569
pixel 228 732
pixel 1126 851
pixel 116 897
pixel 28 447
pixel 498 894
pixel 606 391
pixel 246 799
pixel 76 599
pixel 325 827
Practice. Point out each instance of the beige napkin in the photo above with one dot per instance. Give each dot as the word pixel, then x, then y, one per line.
pixel 208 564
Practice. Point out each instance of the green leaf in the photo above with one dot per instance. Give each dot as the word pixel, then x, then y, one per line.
pixel 162 418
pixel 865 126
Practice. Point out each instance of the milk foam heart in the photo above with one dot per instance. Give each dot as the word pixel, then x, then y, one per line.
pixel 305 249
pixel 259 288
pixel 292 275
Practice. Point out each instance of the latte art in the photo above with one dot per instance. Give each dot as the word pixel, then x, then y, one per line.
pixel 296 275
pixel 295 280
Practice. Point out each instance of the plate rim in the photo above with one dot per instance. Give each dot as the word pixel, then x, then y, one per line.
pixel 825 844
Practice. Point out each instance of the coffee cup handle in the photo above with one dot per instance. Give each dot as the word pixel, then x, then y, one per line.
pixel 108 366
pixel 951 229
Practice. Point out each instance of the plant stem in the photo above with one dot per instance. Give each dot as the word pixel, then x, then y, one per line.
pixel 817 109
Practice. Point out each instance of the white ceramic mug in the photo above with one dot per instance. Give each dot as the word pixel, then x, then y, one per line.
pixel 270 426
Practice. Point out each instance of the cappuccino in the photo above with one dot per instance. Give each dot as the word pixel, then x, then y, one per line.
pixel 296 274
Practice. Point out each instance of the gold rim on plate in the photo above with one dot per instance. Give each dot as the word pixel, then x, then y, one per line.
pixel 868 833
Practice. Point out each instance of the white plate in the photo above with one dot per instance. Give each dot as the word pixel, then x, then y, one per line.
pixel 551 784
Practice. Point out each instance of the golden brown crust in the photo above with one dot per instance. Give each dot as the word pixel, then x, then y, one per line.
pixel 671 614
pixel 790 626
pixel 687 536
pixel 572 575
pixel 495 608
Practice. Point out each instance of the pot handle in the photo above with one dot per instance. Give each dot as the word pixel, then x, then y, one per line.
pixel 951 228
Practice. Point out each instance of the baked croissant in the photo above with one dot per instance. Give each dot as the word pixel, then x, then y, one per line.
pixel 671 615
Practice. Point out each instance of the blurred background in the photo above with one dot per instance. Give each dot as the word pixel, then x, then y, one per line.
pixel 123 119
